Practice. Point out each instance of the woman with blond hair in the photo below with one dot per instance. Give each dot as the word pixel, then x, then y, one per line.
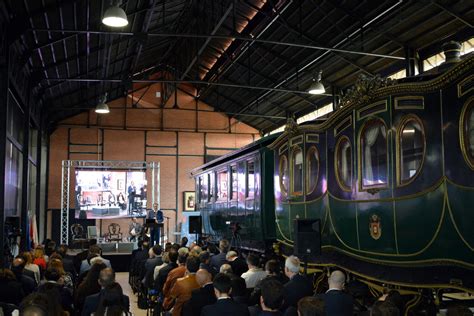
pixel 39 259
pixel 58 265
pixel 31 266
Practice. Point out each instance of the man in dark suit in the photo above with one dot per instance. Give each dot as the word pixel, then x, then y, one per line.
pixel 200 297
pixel 239 265
pixel 299 286
pixel 205 258
pixel 106 279
pixel 271 299
pixel 218 260
pixel 163 274
pixel 224 305
pixel 336 301
pixel 154 260
pixel 28 283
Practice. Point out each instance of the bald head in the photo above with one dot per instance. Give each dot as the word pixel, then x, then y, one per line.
pixel 203 277
pixel 106 277
pixel 337 279
pixel 18 262
pixel 225 268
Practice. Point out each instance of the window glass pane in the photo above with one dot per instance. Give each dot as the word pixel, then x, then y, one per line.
pixel 222 185
pixel 233 170
pixel 344 164
pixel 411 149
pixel 374 154
pixel 297 170
pixel 283 170
pixel 469 130
pixel 211 186
pixel 13 174
pixel 250 179
pixel 202 188
pixel 312 169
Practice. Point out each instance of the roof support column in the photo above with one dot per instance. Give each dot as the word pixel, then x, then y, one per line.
pixel 411 61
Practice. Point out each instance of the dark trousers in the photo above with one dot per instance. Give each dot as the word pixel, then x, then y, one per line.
pixel 131 205
pixel 155 236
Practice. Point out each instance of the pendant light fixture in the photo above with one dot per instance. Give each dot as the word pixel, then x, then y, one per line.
pixel 102 107
pixel 115 16
pixel 317 87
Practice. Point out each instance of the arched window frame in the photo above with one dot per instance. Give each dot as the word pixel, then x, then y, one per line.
pixel 463 138
pixel 283 163
pixel 292 172
pixel 401 126
pixel 311 150
pixel 375 187
pixel 341 183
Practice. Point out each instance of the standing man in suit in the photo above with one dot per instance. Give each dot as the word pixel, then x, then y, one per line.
pixel 224 305
pixel 299 286
pixel 220 259
pixel 157 215
pixel 336 301
pixel 132 191
pixel 200 297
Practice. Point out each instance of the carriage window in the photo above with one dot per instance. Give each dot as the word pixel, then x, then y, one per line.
pixel 234 188
pixel 344 163
pixel 250 179
pixel 211 182
pixel 222 185
pixel 297 171
pixel 202 188
pixel 412 147
pixel 312 169
pixel 373 144
pixel 467 133
pixel 283 171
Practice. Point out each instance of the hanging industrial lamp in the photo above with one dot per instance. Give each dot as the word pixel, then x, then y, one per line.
pixel 317 87
pixel 102 107
pixel 115 16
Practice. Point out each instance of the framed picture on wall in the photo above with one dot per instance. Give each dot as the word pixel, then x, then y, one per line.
pixel 121 184
pixel 189 200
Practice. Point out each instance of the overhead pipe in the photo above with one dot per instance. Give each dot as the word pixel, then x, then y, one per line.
pixel 226 37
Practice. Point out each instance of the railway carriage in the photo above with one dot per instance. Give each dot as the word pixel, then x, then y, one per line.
pixel 389 175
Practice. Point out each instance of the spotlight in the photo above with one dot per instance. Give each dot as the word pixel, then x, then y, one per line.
pixel 317 87
pixel 102 107
pixel 115 16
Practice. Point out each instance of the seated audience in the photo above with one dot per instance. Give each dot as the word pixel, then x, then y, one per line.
pixel 383 308
pixel 298 286
pixel 254 273
pixel 184 242
pixel 78 258
pixel 11 291
pixel 224 305
pixel 311 306
pixel 271 299
pixel 163 273
pixel 181 291
pixel 68 261
pixel 54 285
pixel 336 301
pixel 89 286
pixel 40 304
pixel 67 278
pixel 95 253
pixel 218 260
pixel 110 298
pixel 30 266
pixel 173 276
pixel 166 260
pixel 39 258
pixel 272 268
pixel 239 266
pixel 200 297
pixel 27 283
pixel 153 261
pixel 205 258
pixel 239 289
pixel 226 269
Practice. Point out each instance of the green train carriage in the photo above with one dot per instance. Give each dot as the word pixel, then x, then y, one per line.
pixel 389 175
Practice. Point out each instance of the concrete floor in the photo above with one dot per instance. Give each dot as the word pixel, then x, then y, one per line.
pixel 122 279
